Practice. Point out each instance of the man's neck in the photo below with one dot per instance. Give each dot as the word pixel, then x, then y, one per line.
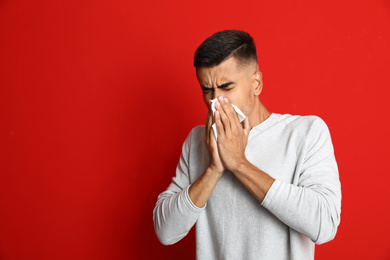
pixel 259 115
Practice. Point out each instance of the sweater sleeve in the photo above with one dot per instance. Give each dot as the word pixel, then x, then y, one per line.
pixel 313 206
pixel 175 213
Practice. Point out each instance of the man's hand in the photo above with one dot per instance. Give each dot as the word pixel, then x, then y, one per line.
pixel 209 138
pixel 232 135
pixel 228 153
pixel 200 191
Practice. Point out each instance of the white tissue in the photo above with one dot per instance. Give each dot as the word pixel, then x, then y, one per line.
pixel 241 115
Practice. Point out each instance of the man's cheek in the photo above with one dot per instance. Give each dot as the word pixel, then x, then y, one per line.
pixel 207 102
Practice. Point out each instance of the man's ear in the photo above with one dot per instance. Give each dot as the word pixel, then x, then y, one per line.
pixel 258 83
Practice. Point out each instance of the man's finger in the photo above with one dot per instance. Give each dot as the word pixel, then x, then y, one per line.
pixel 230 114
pixel 213 140
pixel 234 120
pixel 226 121
pixel 219 124
pixel 209 122
pixel 246 126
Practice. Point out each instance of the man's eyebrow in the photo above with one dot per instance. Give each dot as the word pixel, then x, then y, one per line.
pixel 224 85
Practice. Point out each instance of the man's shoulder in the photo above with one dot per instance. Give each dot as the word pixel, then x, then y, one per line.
pixel 303 124
pixel 197 131
pixel 196 135
pixel 299 120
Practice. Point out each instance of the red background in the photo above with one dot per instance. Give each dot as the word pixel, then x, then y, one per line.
pixel 96 98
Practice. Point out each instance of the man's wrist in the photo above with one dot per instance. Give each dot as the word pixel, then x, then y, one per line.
pixel 213 171
pixel 241 166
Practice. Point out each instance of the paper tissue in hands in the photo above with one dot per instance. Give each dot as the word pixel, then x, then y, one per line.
pixel 241 115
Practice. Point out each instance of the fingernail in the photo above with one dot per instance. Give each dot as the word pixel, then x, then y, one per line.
pixel 220 98
pixel 226 100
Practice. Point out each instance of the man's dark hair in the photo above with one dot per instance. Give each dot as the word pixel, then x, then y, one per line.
pixel 225 44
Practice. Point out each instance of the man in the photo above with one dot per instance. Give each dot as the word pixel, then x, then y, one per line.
pixel 266 188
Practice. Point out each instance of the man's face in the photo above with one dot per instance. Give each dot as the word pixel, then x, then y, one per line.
pixel 239 83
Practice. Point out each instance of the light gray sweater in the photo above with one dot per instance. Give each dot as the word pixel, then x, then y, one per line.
pixel 301 208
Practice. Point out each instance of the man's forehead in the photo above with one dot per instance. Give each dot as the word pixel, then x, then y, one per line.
pixel 228 68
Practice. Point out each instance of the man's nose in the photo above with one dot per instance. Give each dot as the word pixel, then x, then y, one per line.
pixel 216 93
